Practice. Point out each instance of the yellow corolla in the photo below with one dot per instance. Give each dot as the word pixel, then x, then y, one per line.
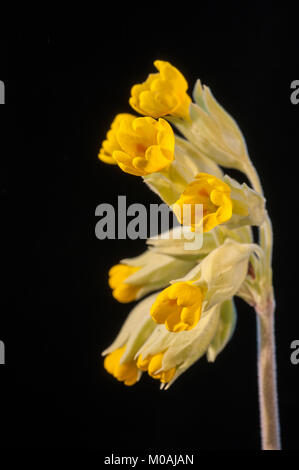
pixel 163 93
pixel 215 197
pixel 147 145
pixel 122 291
pixel 178 306
pixel 138 145
pixel 153 365
pixel 111 144
pixel 127 372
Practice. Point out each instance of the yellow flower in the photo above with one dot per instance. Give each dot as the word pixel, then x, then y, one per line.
pixel 146 145
pixel 127 372
pixel 162 93
pixel 120 290
pixel 153 365
pixel 111 143
pixel 213 194
pixel 178 306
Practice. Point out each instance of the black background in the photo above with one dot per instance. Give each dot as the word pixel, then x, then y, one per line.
pixel 63 88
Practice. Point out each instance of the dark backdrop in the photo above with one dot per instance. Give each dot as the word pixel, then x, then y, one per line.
pixel 63 88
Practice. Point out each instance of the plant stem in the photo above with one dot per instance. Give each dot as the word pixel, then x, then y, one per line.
pixel 268 398
pixel 269 415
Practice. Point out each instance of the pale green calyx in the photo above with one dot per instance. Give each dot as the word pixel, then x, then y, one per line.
pixel 213 131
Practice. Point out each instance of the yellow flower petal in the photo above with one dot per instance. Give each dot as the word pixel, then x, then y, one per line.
pixel 111 143
pixel 122 291
pixel 153 365
pixel 126 372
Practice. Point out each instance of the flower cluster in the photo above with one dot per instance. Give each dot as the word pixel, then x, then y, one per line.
pixel 190 310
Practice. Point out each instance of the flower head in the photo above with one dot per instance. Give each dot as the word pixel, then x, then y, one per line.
pixel 127 372
pixel 192 311
pixel 163 93
pixel 213 194
pixel 178 306
pixel 146 145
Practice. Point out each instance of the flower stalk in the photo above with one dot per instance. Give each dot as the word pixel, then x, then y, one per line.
pixel 266 356
pixel 267 386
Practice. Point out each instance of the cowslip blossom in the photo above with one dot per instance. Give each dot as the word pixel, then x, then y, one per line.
pixel 215 197
pixel 178 306
pixel 163 93
pixel 223 201
pixel 190 311
pixel 183 173
pixel 165 356
pixel 144 347
pixel 139 146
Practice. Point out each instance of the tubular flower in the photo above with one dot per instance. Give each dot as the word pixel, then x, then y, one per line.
pixel 122 291
pixel 178 306
pixel 126 372
pixel 146 145
pixel 213 194
pixel 180 350
pixel 135 277
pixel 111 143
pixel 153 366
pixel 163 93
